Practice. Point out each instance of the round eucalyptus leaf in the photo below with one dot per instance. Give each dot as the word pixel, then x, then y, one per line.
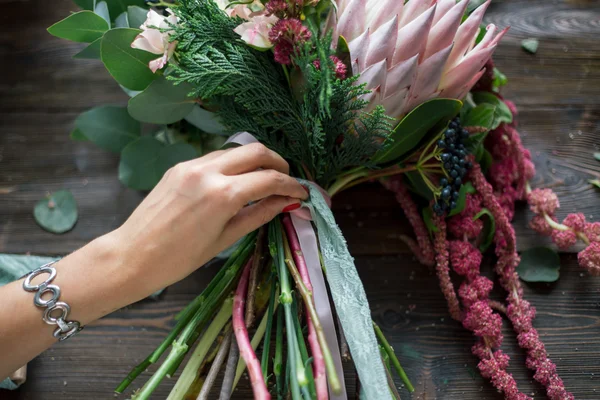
pixel 161 103
pixel 84 26
pixel 128 66
pixel 109 127
pixel 145 161
pixel 57 212
pixel 539 264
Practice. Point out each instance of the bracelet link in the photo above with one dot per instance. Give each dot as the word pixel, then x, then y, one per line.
pixel 65 329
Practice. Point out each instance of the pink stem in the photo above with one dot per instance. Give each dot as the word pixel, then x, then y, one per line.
pixel 243 340
pixel 319 370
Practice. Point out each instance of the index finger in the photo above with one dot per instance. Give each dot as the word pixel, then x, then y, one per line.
pixel 249 158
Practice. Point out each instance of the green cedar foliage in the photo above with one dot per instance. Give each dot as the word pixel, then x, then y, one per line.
pixel 322 131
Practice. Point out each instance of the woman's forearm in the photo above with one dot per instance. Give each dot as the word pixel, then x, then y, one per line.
pixel 94 281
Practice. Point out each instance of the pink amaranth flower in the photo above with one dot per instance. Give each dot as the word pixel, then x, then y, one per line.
pixel 277 7
pixel 589 258
pixel 592 231
pixel 529 169
pixel 503 173
pixel 474 291
pixel 287 35
pixel 513 109
pixel 539 224
pixel 440 245
pixel 338 65
pixel 564 239
pixel 463 225
pixel 507 197
pixel 543 201
pixel 465 258
pixel 575 221
pixel 482 320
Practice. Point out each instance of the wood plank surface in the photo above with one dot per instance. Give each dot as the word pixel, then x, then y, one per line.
pixel 42 90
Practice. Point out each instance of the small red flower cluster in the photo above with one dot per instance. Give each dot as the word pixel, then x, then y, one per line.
pixel 287 35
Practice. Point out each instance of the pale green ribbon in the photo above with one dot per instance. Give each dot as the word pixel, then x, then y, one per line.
pixel 349 297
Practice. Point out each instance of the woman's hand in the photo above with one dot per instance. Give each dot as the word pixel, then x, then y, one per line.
pixel 201 207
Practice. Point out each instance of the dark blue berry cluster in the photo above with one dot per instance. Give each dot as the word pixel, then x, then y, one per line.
pixel 454 153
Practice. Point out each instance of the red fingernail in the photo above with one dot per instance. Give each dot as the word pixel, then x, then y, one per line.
pixel 292 207
pixel 305 188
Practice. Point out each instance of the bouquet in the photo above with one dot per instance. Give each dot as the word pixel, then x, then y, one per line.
pixel 346 91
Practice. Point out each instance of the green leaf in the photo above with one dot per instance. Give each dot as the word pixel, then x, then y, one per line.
pixel 501 113
pixel 122 21
pixel 83 26
pixel 428 219
pixel 92 51
pixel 13 266
pixel 499 79
pixel 462 198
pixel 530 45
pixel 419 185
pixel 415 126
pixel 206 121
pixel 486 160
pixel 473 4
pixel 489 229
pixel 56 213
pixel 342 52
pixel 145 161
pixel 162 102
pixel 136 16
pixel 128 66
pixel 110 127
pixel 102 10
pixel 597 156
pixel 117 7
pixel 481 116
pixel 539 264
pixel 78 136
pixel 85 4
pixel 595 182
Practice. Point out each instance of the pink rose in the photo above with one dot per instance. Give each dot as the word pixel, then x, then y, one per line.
pixel 154 41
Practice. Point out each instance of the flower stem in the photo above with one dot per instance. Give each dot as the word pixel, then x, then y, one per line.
pixel 259 387
pixel 264 362
pixel 393 358
pixel 278 359
pixel 340 183
pixel 318 343
pixel 215 367
pixel 304 355
pixel 198 311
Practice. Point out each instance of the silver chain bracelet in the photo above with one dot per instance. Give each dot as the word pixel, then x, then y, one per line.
pixel 65 329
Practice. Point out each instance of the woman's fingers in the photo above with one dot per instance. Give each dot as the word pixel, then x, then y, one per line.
pixel 256 215
pixel 250 158
pixel 258 185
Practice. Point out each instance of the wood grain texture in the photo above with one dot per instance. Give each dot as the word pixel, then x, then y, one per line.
pixel 42 90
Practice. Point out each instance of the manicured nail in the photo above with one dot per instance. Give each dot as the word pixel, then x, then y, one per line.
pixel 305 188
pixel 292 207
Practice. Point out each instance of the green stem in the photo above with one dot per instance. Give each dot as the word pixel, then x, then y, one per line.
pixel 184 317
pixel 188 375
pixel 395 362
pixel 312 390
pixel 264 362
pixel 344 180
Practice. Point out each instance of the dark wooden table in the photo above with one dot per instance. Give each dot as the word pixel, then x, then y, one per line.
pixel 42 90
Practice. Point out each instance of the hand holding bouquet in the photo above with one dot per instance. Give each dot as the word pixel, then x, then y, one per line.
pixel 346 92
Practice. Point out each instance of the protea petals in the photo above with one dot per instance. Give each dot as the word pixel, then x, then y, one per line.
pixel 410 52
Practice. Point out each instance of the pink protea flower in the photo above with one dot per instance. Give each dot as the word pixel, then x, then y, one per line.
pixel 287 35
pixel 575 221
pixel 465 258
pixel 592 231
pixel 564 239
pixel 589 258
pixel 413 52
pixel 543 201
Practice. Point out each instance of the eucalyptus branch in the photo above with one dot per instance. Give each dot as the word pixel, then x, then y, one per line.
pixel 228 378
